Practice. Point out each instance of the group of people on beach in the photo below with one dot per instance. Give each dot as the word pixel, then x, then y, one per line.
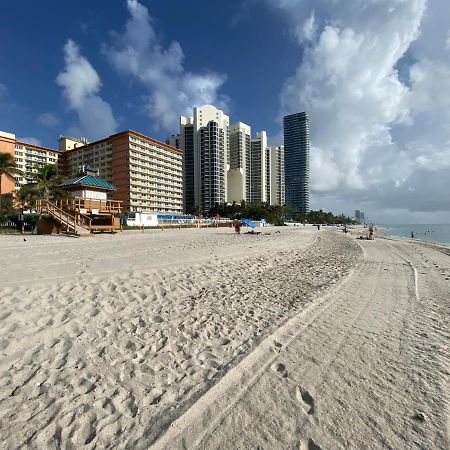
pixel 238 225
pixel 371 235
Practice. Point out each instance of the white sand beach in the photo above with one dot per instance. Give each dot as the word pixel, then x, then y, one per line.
pixel 192 338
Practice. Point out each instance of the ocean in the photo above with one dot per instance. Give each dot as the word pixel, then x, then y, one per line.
pixel 433 233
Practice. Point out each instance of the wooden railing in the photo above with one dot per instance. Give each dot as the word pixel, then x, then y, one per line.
pixel 73 222
pixel 90 206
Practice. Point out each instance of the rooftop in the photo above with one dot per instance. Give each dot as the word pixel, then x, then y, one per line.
pixel 88 181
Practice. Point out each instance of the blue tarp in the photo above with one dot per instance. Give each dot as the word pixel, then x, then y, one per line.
pixel 249 223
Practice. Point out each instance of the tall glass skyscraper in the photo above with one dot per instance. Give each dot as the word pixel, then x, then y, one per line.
pixel 296 160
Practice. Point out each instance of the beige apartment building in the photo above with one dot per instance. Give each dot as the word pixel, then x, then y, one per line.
pixel 29 158
pixel 146 172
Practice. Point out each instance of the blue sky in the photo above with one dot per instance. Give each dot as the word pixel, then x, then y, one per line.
pixel 238 44
pixel 371 74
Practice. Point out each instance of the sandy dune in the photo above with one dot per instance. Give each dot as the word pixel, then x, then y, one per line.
pixel 104 342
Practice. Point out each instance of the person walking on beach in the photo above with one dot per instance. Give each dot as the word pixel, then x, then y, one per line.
pixel 412 234
pixel 318 226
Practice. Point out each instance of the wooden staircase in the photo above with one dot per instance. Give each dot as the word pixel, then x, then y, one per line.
pixel 71 221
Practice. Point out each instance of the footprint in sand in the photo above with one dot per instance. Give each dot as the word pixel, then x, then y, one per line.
pixel 305 399
pixel 277 347
pixel 310 445
pixel 280 369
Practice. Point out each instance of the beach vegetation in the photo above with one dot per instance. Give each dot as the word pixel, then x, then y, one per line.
pixel 275 214
pixel 44 183
pixel 12 223
pixel 8 170
pixel 26 196
pixel 323 217
pixel 7 204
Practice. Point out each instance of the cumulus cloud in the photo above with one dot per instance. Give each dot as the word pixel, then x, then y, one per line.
pixel 307 30
pixel 81 85
pixel 172 90
pixel 376 137
pixel 48 119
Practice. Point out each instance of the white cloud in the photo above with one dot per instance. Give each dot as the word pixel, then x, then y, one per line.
pixel 81 85
pixel 29 140
pixel 307 31
pixel 172 90
pixel 374 136
pixel 48 119
pixel 430 80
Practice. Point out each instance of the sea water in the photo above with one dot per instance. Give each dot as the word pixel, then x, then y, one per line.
pixel 433 233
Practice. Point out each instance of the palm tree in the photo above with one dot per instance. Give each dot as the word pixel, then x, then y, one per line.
pixel 7 168
pixel 45 182
pixel 27 195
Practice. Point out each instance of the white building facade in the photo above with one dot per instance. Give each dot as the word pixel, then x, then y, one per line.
pixel 275 186
pixel 204 140
pixel 256 169
pixel 240 137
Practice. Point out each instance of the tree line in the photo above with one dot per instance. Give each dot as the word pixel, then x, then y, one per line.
pixel 275 214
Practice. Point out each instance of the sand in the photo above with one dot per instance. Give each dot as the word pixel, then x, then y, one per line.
pixel 205 339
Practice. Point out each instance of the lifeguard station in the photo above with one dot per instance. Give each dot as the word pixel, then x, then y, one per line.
pixel 88 208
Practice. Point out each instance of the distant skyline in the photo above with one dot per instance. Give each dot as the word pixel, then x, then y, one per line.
pixel 374 78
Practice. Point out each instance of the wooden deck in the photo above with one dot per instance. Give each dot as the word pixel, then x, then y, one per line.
pixel 90 206
pixel 83 215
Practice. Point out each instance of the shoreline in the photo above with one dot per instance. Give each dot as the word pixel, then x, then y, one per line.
pixel 418 239
pixel 438 246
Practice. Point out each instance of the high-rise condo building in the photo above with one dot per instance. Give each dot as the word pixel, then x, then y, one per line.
pixel 240 136
pixel 146 172
pixel 296 160
pixel 206 160
pixel 256 169
pixel 187 147
pixel 275 187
